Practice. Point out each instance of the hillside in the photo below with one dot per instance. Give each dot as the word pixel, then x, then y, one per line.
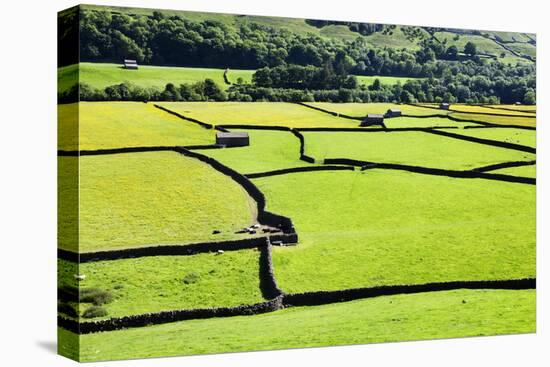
pixel 516 47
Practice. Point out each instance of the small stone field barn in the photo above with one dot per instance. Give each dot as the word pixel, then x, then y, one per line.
pixel 393 112
pixel 233 139
pixel 130 64
pixel 373 119
pixel 444 106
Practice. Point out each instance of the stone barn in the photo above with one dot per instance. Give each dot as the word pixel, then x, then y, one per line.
pixel 393 112
pixel 130 64
pixel 373 119
pixel 444 106
pixel 232 139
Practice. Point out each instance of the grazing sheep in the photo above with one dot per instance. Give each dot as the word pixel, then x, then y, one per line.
pixel 79 277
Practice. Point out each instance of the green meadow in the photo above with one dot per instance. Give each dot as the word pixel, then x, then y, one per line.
pixel 67 204
pixel 338 31
pixel 521 171
pixel 384 319
pixel 498 115
pixel 396 38
pixel 380 227
pixel 257 113
pixel 509 36
pixel 154 198
pixel 498 120
pixel 362 109
pixel 295 116
pixel 400 122
pixel 408 147
pixel 356 228
pixel 68 137
pixel 528 108
pixel 507 135
pixel 105 125
pixel 524 49
pixel 99 75
pixel 164 283
pixel 268 151
pixel 484 45
pixel 483 109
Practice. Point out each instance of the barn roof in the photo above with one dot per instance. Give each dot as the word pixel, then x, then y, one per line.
pixel 232 134
pixel 375 116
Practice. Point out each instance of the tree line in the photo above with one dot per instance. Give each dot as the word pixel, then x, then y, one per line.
pixel 464 82
pixel 201 91
pixel 428 90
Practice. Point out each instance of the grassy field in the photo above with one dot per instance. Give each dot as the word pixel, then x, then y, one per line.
pixel 522 171
pixel 395 39
pixel 257 113
pixel 482 109
pixel 356 229
pixel 499 120
pixel 293 115
pixel 484 45
pixel 523 48
pixel 68 126
pixel 386 319
pixel 153 284
pixel 508 135
pixel 67 203
pixel 362 109
pixel 104 125
pixel 268 150
pixel 143 199
pixel 341 32
pixel 100 75
pixel 514 60
pixel 508 36
pixel 400 122
pixel 531 108
pixel 412 148
pixel 381 227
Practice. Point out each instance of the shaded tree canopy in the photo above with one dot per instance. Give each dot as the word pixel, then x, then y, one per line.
pixel 470 49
